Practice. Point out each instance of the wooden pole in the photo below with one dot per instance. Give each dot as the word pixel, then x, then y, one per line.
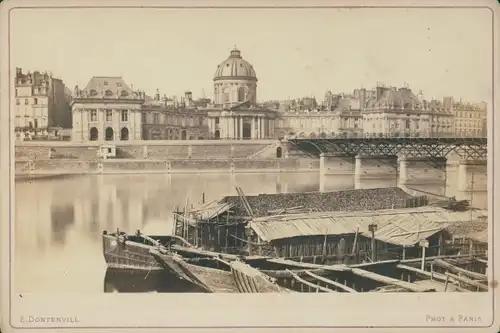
pixel 373 246
pixel 423 259
pixel 355 241
pixel 323 253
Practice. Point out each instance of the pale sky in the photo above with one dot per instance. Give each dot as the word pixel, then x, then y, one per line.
pixel 295 52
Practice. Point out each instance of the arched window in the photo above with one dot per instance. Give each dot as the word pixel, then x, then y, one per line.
pixel 109 134
pixel 124 93
pixel 241 94
pixel 36 123
pixel 183 135
pixel 93 134
pixel 217 134
pixel 124 134
pixel 93 92
pixel 225 95
pixel 109 93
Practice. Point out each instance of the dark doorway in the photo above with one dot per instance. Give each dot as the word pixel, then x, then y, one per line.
pixel 94 133
pixel 217 134
pixel 279 152
pixel 109 134
pixel 183 135
pixel 124 134
pixel 247 130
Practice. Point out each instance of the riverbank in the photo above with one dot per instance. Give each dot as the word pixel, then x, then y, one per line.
pixel 57 167
pixel 53 168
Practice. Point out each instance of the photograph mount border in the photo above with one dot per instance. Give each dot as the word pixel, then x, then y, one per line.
pixel 490 131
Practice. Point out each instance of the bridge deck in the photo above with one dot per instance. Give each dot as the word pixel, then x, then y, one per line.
pixel 468 148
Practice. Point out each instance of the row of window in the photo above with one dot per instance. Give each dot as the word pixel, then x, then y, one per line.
pixel 37 90
pixel 109 134
pixel 471 123
pixel 407 125
pixel 123 93
pixel 27 101
pixel 469 114
pixel 109 115
pixel 172 120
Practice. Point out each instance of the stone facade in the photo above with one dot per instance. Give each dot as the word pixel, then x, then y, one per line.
pixel 42 104
pixel 183 121
pixel 235 113
pixel 469 119
pixel 398 112
pixel 106 110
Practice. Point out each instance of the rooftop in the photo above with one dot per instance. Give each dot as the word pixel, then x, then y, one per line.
pixel 404 227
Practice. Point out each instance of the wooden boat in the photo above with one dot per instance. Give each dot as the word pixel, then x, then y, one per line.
pixel 454 273
pixel 125 251
pixel 231 277
pixel 183 261
pixel 137 281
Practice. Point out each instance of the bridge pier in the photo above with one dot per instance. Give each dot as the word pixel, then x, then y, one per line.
pixel 472 176
pixel 422 171
pixel 336 164
pixel 375 168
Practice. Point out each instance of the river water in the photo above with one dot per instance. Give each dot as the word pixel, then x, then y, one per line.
pixel 58 222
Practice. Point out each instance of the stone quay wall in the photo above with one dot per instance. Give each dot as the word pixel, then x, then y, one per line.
pixel 46 158
pixel 155 150
pixel 72 166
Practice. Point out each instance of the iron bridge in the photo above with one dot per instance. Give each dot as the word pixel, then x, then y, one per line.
pixel 469 148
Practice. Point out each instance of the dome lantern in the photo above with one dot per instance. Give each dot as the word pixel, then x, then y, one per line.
pixel 235 53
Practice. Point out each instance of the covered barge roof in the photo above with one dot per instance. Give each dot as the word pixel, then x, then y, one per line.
pixel 404 227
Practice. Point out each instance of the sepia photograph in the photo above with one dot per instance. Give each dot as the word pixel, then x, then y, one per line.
pixel 291 152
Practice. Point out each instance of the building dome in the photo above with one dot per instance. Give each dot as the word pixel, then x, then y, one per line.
pixel 235 67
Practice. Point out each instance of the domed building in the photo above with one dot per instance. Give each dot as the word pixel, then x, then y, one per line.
pixel 235 80
pixel 235 114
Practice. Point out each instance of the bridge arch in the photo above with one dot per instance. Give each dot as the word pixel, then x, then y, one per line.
pixel 314 145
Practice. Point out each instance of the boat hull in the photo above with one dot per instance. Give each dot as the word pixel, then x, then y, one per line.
pixel 238 277
pixel 120 253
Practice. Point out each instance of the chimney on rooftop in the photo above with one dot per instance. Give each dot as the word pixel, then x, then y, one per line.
pixel 188 98
pixel 157 96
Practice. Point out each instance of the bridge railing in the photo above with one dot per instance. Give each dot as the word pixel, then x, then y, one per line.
pixel 386 135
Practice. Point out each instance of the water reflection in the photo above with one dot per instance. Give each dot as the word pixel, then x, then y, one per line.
pixel 59 222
